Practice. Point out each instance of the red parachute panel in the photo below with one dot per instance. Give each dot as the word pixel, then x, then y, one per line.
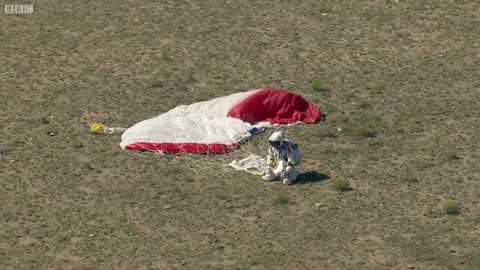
pixel 179 148
pixel 277 107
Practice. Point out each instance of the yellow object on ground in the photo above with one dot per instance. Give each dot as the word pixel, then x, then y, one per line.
pixel 97 129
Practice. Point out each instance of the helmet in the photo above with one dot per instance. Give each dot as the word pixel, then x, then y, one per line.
pixel 276 139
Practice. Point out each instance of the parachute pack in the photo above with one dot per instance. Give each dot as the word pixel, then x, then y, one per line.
pixel 294 153
pixel 297 156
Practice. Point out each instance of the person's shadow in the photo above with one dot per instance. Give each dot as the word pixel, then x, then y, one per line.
pixel 311 176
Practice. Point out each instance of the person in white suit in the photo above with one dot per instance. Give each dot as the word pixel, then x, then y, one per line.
pixel 283 156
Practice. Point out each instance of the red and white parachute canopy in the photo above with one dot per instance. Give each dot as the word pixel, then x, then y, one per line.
pixel 219 125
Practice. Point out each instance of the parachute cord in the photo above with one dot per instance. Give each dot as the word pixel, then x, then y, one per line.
pixel 257 145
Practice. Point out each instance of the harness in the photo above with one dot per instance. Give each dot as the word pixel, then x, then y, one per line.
pixel 283 152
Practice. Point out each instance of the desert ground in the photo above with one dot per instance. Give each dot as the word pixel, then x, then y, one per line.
pixel 400 81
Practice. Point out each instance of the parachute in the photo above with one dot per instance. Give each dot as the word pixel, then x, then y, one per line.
pixel 220 125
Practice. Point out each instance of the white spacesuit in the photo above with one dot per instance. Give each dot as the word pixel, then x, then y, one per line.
pixel 283 156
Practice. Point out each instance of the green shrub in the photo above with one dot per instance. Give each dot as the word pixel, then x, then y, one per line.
pixel 327 133
pixel 156 83
pixel 4 151
pixel 221 195
pixel 281 199
pixel 368 130
pixel 415 126
pixel 376 143
pixel 341 184
pixel 378 89
pixel 182 194
pixel 317 85
pixel 78 145
pixel 315 100
pixel 364 105
pixel 451 154
pixel 89 166
pixel 45 120
pixel 451 207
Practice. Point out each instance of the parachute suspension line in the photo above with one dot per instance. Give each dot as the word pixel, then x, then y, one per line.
pixel 257 145
pixel 200 162
pixel 212 160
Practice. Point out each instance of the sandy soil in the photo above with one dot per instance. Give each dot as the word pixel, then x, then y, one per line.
pixel 400 79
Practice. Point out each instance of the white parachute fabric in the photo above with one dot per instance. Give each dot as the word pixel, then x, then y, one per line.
pixel 253 164
pixel 205 122
pixel 191 127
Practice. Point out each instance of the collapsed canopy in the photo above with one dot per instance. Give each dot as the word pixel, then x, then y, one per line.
pixel 219 125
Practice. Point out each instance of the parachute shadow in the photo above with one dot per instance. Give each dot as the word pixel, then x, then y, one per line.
pixel 311 176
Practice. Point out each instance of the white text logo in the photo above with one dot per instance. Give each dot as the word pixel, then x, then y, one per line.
pixel 18 9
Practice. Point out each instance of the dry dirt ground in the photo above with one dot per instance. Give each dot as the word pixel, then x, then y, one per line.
pixel 400 78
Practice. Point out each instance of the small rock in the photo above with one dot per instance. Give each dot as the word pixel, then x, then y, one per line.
pixel 167 207
pixel 410 266
pixel 92 235
pixel 318 204
pixel 339 129
pixel 51 134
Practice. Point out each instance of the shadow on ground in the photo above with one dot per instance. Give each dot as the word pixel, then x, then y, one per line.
pixel 311 176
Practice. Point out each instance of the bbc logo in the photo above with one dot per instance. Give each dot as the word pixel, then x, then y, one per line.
pixel 18 9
